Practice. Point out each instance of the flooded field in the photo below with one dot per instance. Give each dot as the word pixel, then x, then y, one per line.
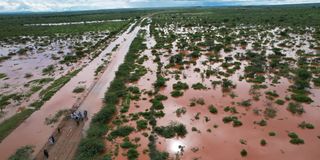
pixel 198 84
pixel 216 92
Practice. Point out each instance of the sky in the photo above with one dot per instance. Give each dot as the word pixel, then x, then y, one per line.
pixel 72 5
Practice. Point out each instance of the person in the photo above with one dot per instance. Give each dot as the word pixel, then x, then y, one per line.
pixel 46 153
pixel 52 140
pixel 85 113
pixel 59 130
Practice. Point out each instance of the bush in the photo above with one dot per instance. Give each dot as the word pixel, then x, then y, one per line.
pixel 160 82
pixel 198 86
pixel 262 122
pixel 295 108
pixel 180 86
pixel 156 104
pixel 280 102
pixel 301 98
pixel 213 109
pixel 304 125
pixel 176 93
pixel 23 153
pixel 272 93
pixel 297 141
pixel 160 97
pixel 142 124
pixel 78 89
pixel 172 130
pixel 316 81
pixel 89 147
pixel 272 134
pixel 243 153
pixel 263 142
pixel 245 103
pixel 132 154
pixel 121 131
pixel 127 144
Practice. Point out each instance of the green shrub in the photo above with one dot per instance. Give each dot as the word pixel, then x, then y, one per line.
pixel 245 103
pixel 262 122
pixel 304 125
pixel 172 130
pixel 316 81
pixel 272 93
pixel 156 104
pixel 243 153
pixel 127 144
pixel 160 82
pixel 295 108
pixel 180 86
pixel 301 98
pixel 78 89
pixel 121 131
pixel 213 109
pixel 272 134
pixel 297 141
pixel 176 93
pixel 142 124
pixel 89 147
pixel 23 153
pixel 198 86
pixel 132 154
pixel 280 102
pixel 263 142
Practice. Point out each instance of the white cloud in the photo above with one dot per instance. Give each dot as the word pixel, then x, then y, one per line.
pixel 64 5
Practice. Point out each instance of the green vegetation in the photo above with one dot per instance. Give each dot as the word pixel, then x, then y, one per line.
pixel 172 130
pixel 234 119
pixel 7 126
pixel 79 89
pixel 306 125
pixel 272 134
pixel 47 93
pixel 180 86
pixel 280 102
pixel 23 153
pixel 295 138
pixel 243 153
pixel 176 93
pixel 121 131
pixel 142 124
pixel 198 86
pixel 263 142
pixel 295 108
pixel 116 91
pixel 213 109
pixel 55 118
pixel 3 75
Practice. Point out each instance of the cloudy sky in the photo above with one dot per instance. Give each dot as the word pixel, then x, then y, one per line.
pixel 69 5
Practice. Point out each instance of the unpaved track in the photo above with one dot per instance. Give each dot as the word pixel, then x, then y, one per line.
pixel 69 138
pixel 34 132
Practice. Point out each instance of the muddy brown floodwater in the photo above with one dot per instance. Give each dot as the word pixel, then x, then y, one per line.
pixel 223 142
pixel 33 131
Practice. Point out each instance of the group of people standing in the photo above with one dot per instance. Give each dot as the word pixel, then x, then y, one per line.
pixel 77 116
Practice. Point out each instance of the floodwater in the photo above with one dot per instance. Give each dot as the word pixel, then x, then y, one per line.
pixel 33 62
pixel 33 130
pixel 223 142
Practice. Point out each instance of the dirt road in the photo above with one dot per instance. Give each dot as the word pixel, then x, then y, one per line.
pixel 35 132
